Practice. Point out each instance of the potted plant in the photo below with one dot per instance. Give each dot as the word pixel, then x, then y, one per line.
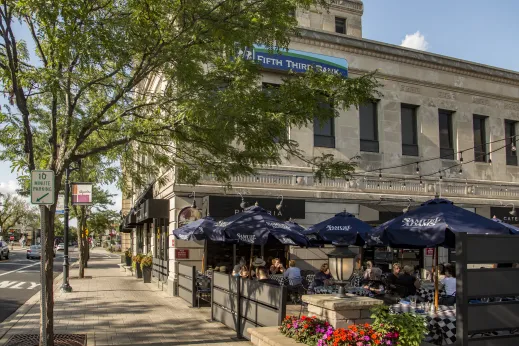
pixel 146 263
pixel 136 264
pixel 128 254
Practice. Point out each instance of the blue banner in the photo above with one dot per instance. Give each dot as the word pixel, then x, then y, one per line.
pixel 299 61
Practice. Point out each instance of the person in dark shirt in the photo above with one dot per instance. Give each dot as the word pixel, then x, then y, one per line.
pixel 323 277
pixel 407 282
pixel 395 273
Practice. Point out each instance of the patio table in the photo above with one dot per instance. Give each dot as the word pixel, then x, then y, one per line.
pixel 441 325
pixel 427 293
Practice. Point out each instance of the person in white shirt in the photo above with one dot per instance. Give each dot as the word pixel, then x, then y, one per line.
pixel 449 285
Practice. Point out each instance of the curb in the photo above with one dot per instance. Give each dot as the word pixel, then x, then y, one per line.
pixel 20 313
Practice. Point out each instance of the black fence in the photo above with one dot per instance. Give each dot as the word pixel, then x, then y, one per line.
pixel 241 303
pixel 187 283
pixel 160 269
pixel 496 322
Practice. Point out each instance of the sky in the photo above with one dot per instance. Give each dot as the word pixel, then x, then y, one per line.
pixel 476 30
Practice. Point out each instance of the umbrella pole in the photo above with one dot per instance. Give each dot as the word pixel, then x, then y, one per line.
pixel 234 255
pixel 251 255
pixel 203 257
pixel 437 276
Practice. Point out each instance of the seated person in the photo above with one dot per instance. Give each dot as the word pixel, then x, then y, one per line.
pixel 244 272
pixel 367 272
pixel 449 285
pixel 276 267
pixel 237 268
pixel 407 283
pixel 262 275
pixel 293 274
pixel 323 277
pixel 395 273
pixel 375 283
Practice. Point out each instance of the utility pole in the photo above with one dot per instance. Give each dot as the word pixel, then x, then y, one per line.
pixel 65 287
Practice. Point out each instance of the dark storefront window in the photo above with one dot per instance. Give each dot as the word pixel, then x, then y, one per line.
pixel 324 133
pixel 368 122
pixel 511 155
pixel 480 145
pixel 446 135
pixel 409 130
pixel 340 25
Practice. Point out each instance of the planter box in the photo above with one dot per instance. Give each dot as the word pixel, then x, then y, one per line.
pixel 270 336
pixel 138 270
pixel 146 274
pixel 128 260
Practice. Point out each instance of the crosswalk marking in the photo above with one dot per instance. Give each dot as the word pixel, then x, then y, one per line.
pixel 19 285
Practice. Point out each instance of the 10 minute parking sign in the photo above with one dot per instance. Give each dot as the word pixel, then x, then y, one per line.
pixel 42 187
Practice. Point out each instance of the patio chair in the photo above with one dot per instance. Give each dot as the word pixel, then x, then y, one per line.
pixel 203 289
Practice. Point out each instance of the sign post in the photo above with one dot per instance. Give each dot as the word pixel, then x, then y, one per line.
pixel 60 205
pixel 42 194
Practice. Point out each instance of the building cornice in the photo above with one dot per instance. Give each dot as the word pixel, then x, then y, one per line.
pixel 354 6
pixel 405 55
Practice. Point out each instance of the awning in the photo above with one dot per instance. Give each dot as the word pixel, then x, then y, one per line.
pixel 153 209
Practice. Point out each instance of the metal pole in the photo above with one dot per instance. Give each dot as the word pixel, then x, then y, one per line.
pixel 65 287
pixel 43 277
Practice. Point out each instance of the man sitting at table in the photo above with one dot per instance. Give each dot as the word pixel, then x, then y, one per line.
pixel 406 283
pixel 261 274
pixel 293 274
pixel 449 285
pixel 323 277
pixel 375 283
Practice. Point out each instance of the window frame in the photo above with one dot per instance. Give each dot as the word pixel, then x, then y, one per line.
pixel 322 140
pixel 409 149
pixel 480 156
pixel 370 145
pixel 511 156
pixel 446 153
pixel 343 22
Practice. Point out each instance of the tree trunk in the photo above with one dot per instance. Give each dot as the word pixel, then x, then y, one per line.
pixel 47 309
pixel 81 243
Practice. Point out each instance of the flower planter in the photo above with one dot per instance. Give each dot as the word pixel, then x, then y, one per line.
pixel 138 270
pixel 128 261
pixel 146 274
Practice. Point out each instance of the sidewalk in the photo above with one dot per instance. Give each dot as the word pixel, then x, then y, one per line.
pixel 115 309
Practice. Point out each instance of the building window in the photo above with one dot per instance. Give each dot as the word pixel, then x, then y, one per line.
pixel 409 132
pixel 368 122
pixel 340 25
pixel 324 133
pixel 480 138
pixel 446 135
pixel 511 155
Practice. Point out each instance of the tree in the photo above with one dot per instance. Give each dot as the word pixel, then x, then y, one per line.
pixel 83 91
pixel 12 211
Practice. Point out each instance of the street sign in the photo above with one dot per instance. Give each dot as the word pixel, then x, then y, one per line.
pixel 60 205
pixel 42 187
pixel 81 193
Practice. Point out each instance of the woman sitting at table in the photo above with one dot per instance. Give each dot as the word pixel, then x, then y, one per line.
pixel 375 283
pixel 276 267
pixel 367 272
pixel 449 285
pixel 244 272
pixel 407 283
pixel 323 277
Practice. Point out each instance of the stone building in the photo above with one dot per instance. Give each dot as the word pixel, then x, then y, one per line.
pixel 452 113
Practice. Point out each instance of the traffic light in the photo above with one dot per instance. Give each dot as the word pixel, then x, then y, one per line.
pixel 86 232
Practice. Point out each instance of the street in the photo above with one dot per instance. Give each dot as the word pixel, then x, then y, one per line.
pixel 20 279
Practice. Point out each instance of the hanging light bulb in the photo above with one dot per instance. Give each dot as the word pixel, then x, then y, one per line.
pixel 421 182
pixel 490 161
pixel 417 168
pixel 461 170
pixel 380 174
pixel 514 148
pixel 461 156
pixel 441 177
pixel 390 185
pixel 403 184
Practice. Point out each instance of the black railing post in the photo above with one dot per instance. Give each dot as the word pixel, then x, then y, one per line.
pixel 461 290
pixel 282 304
pixel 238 307
pixel 193 286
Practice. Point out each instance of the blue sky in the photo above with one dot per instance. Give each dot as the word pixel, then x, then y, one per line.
pixel 475 30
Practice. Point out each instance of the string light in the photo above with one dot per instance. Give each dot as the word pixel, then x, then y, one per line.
pixel 380 174
pixel 417 168
pixel 461 170
pixel 441 177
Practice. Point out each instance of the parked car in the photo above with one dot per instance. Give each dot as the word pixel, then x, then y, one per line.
pixel 34 252
pixel 60 247
pixel 4 250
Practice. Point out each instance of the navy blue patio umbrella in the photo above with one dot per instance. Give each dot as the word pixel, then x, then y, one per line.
pixel 433 224
pixel 255 225
pixel 202 229
pixel 512 228
pixel 344 228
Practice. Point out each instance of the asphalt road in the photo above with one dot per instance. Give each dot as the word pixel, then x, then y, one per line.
pixel 20 279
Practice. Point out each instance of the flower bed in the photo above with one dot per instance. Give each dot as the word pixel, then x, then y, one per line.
pixel 404 329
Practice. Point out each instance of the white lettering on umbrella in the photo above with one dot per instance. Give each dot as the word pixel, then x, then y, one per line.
pixel 183 236
pixel 376 239
pixel 278 225
pixel 222 224
pixel 286 241
pixel 338 228
pixel 248 238
pixel 410 222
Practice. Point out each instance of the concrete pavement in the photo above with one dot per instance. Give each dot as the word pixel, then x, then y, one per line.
pixel 113 308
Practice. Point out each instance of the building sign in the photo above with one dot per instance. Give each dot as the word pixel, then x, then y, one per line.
pixel 181 253
pixel 503 214
pixel 81 193
pixel 429 252
pixel 221 207
pixel 296 60
pixel 187 215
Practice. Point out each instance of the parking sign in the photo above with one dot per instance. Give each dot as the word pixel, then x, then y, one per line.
pixel 42 187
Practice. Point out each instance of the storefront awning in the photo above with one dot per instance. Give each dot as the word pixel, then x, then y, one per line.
pixel 153 209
